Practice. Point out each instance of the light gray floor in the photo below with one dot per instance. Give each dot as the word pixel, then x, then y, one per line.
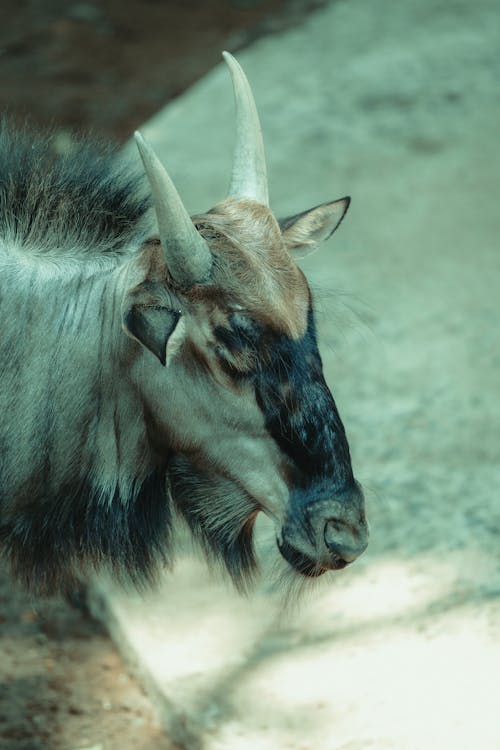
pixel 398 104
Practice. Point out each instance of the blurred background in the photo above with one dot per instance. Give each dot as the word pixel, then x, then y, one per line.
pixel 109 65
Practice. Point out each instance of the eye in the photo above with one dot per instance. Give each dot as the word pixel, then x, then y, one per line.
pixel 230 338
pixel 242 323
pixel 219 350
pixel 235 348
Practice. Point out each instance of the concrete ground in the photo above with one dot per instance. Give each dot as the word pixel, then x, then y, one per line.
pixel 397 104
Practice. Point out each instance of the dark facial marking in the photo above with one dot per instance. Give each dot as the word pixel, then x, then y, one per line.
pixel 299 409
pixel 292 393
pixel 238 346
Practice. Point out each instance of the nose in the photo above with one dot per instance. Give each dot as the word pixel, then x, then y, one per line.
pixel 326 534
pixel 345 541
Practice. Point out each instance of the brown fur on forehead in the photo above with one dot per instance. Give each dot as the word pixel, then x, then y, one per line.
pixel 252 267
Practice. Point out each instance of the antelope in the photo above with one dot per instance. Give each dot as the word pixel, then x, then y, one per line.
pixel 156 364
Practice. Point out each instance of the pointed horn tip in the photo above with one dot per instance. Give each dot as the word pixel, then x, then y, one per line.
pixel 141 144
pixel 146 151
pixel 138 138
pixel 231 62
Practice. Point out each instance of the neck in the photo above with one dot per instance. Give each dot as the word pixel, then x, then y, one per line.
pixel 67 399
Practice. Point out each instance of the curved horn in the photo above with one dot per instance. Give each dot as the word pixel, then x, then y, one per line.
pixel 249 176
pixel 188 256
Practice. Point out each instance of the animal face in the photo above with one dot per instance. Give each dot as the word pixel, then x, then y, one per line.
pixel 247 412
pixel 213 382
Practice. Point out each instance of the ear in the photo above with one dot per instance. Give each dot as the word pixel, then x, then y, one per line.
pixel 149 317
pixel 151 327
pixel 302 232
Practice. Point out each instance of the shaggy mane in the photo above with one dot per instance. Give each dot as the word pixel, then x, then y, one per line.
pixel 85 198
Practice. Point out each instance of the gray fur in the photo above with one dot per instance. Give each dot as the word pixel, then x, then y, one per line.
pixel 68 225
pixel 100 405
pixel 84 200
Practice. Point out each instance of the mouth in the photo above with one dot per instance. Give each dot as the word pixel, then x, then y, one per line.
pixel 220 514
pixel 303 564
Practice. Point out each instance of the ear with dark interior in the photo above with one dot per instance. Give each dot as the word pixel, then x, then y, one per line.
pixel 151 327
pixel 149 317
pixel 302 232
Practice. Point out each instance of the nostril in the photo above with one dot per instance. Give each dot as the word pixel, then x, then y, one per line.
pixel 344 541
pixel 334 527
pixel 339 534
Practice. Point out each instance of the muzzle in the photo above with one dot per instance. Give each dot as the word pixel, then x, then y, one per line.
pixel 321 535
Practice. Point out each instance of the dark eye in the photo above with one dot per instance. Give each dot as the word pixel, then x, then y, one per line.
pixel 235 346
pixel 230 338
pixel 246 328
